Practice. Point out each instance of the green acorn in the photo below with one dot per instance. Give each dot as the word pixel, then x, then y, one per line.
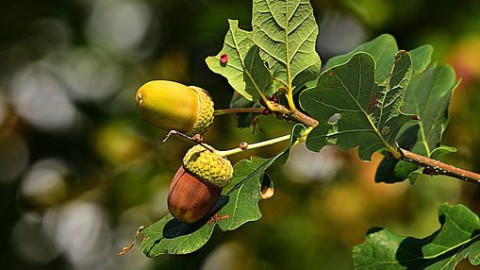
pixel 174 106
pixel 198 184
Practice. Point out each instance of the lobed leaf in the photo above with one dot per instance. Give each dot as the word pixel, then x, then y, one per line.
pixel 353 110
pixel 286 32
pixel 243 200
pixel 456 240
pixel 242 67
pixel 382 49
pixel 428 97
pixel 169 236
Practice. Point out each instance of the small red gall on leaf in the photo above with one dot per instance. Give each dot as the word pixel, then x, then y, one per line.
pixel 224 59
pixel 330 74
pixel 416 117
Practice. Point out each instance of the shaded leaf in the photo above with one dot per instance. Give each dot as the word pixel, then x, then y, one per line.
pixel 456 240
pixel 282 158
pixel 421 58
pixel 243 120
pixel 286 32
pixel 383 49
pixel 243 68
pixel 365 113
pixel 159 238
pixel 243 204
pixel 428 96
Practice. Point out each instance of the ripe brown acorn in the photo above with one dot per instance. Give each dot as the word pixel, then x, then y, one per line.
pixel 198 184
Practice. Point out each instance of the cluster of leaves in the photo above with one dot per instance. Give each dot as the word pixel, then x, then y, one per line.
pixel 374 98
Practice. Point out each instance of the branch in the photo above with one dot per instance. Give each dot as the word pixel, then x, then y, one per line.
pixel 294 115
pixel 237 110
pixel 438 167
pixel 435 166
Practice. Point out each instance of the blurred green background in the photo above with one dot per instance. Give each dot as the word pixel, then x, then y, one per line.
pixel 80 169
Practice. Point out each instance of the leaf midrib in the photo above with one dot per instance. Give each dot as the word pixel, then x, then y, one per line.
pixel 374 128
pixel 237 49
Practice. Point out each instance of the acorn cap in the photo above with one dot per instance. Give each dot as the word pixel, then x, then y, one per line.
pixel 205 112
pixel 208 166
pixel 170 105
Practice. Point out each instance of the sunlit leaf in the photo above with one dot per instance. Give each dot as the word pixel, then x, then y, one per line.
pixel 240 63
pixel 456 240
pixel 286 33
pixel 353 110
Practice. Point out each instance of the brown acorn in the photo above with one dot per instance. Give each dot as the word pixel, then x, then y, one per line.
pixel 198 184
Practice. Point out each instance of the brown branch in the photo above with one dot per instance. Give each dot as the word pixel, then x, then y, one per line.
pixel 294 115
pixel 438 167
pixel 237 110
pixel 433 166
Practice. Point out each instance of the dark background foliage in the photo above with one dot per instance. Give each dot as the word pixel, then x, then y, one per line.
pixel 80 170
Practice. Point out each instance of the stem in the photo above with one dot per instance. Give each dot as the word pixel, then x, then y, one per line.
pixel 196 139
pixel 295 115
pixel 438 167
pixel 291 103
pixel 253 146
pixel 237 110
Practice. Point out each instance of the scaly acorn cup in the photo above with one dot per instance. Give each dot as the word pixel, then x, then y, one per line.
pixel 198 184
pixel 174 106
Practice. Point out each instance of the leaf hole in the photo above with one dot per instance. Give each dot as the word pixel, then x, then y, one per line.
pixel 334 118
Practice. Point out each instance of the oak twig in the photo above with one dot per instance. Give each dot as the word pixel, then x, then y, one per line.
pixel 196 139
pixel 438 167
pixel 237 110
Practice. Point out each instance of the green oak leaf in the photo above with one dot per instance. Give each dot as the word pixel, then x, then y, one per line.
pixel 244 69
pixel 243 200
pixel 421 58
pixel 456 240
pixel 169 236
pixel 245 195
pixel 282 158
pixel 243 120
pixel 286 32
pixel 383 49
pixel 428 96
pixel 353 110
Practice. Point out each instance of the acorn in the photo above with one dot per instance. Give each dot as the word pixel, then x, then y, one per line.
pixel 174 106
pixel 198 184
